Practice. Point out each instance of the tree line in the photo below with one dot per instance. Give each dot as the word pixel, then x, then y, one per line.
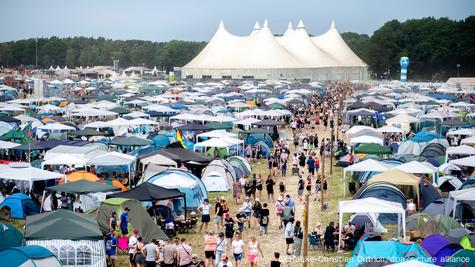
pixel 82 51
pixel 435 48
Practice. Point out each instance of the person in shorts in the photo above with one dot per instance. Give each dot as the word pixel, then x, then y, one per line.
pixel 124 222
pixel 205 210
pixel 111 248
pixel 210 242
pixel 238 249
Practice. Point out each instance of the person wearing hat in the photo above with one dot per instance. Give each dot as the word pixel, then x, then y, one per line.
pixel 195 261
pixel 132 243
pixel 124 221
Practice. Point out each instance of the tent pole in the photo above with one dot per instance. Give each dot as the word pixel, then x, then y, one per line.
pixel 42 200
pixel 184 200
pixel 340 221
pixel 404 225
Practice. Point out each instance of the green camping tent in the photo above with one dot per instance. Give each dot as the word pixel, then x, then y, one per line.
pixel 138 216
pixel 372 149
pixel 10 237
pixel 462 258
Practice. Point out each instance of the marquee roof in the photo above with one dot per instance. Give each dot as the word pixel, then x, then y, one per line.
pixel 262 50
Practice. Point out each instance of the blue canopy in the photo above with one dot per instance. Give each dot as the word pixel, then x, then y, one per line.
pixel 13 257
pixel 425 137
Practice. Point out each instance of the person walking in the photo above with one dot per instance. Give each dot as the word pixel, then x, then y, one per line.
pixel 256 208
pixel 311 165
pixel 220 248
pixel 124 222
pixel 279 207
pixel 139 258
pixel 169 254
pixel 253 251
pixel 264 219
pixel 241 219
pixel 218 216
pixel 247 209
pixel 132 242
pixel 270 188
pixel 184 253
pixel 298 236
pixel 205 210
pixel 111 248
pixel 259 187
pixel 113 222
pixel 237 191
pixel 210 242
pixel 237 246
pixel 151 253
pixel 228 228
pixel 300 188
pixel 289 236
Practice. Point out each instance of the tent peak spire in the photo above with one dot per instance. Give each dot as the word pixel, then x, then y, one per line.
pixel 300 25
pixel 290 27
pixel 265 24
pixel 221 24
pixel 257 26
pixel 332 25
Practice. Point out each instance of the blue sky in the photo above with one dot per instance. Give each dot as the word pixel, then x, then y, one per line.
pixel 159 20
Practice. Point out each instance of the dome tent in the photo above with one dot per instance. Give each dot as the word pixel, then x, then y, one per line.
pixel 184 181
pixel 10 237
pixel 28 256
pixel 21 205
pixel 242 162
pixel 219 175
pixel 439 248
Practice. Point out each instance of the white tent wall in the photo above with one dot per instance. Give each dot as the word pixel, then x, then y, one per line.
pixel 72 251
pixel 328 73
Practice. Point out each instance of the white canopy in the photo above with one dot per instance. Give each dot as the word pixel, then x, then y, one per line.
pixel 142 121
pixel 463 131
pixel 459 150
pixel 7 145
pixel 366 139
pixel 368 165
pixel 358 128
pixel 371 206
pixel 447 167
pixel 247 121
pixel 56 127
pixel 417 167
pixel 112 159
pixel 390 129
pixel 457 196
pixel 158 159
pixel 466 162
pixel 29 174
pixel 217 134
pixel 213 142
pixel 469 141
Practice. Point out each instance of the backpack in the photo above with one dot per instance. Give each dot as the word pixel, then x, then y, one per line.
pixel 280 207
pixel 287 213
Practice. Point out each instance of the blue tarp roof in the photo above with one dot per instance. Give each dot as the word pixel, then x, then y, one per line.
pixel 18 255
pixel 425 137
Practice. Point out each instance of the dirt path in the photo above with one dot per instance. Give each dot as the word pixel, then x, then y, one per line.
pixel 274 241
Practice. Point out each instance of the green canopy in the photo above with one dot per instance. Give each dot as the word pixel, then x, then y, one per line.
pixel 61 224
pixel 82 187
pixel 13 134
pixel 138 216
pixel 87 132
pixel 120 110
pixel 276 106
pixel 372 149
pixel 220 125
pixel 131 141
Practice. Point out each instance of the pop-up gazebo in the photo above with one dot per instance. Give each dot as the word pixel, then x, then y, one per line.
pixel 372 206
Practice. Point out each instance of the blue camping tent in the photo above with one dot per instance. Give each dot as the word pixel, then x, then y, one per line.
pixel 10 237
pixel 391 251
pixel 28 256
pixel 21 205
pixel 184 181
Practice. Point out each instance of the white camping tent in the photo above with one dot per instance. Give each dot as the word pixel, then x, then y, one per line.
pixel 372 206
pixel 419 168
pixel 219 170
pixel 469 141
pixel 456 196
pixel 366 139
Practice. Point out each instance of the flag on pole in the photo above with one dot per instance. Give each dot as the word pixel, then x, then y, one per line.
pixel 179 138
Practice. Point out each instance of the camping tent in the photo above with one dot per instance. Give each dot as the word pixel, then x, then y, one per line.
pixel 380 251
pixel 456 196
pixel 246 167
pixel 398 177
pixel 10 236
pixel 372 149
pixel 29 174
pixel 148 192
pixel 21 205
pixel 219 175
pixel 459 150
pixel 439 248
pixel 138 217
pixel 466 162
pixel 184 181
pixel 371 206
pixel 369 165
pixel 74 238
pixel 28 256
